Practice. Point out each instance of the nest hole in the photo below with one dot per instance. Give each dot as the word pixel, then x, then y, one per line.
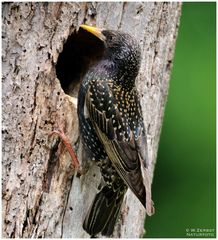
pixel 81 51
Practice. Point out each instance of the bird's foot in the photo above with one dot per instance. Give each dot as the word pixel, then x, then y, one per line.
pixel 67 144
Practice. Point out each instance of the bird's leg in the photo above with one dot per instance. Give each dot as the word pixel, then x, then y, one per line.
pixel 67 144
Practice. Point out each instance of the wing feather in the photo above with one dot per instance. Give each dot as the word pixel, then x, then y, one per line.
pixel 124 142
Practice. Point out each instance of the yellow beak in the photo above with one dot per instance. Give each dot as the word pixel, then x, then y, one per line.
pixel 93 30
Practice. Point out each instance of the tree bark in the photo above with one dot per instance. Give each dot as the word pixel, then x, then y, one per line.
pixel 42 197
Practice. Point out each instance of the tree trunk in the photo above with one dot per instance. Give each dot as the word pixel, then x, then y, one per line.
pixel 42 197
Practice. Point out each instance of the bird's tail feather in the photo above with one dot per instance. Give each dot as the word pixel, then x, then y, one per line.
pixel 103 212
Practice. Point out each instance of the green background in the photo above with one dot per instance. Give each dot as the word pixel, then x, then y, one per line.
pixel 185 177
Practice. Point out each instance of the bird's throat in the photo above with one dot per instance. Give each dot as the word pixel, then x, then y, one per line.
pixel 109 70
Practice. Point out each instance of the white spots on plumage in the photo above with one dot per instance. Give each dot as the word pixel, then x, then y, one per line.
pixel 86 115
pixel 122 103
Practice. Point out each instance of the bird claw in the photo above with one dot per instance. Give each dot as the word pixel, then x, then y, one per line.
pixel 67 144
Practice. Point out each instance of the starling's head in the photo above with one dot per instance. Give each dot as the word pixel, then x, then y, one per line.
pixel 120 48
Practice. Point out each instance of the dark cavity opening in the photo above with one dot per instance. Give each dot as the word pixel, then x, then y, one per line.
pixel 81 51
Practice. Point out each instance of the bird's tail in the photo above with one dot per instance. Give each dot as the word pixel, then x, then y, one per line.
pixel 104 211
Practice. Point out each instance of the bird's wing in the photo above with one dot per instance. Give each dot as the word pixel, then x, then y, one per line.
pixel 121 130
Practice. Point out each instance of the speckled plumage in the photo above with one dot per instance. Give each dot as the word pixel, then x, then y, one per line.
pixel 112 128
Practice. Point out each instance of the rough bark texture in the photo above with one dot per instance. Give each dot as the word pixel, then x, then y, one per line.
pixel 41 195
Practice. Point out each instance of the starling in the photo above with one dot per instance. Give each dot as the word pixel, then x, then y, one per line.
pixel 112 129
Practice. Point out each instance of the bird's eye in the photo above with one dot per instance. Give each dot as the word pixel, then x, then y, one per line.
pixel 110 37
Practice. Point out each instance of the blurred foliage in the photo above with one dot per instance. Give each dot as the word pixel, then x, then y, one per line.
pixel 184 187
